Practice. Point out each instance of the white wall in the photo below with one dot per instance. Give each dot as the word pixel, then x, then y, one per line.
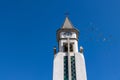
pixel 80 67
pixel 58 66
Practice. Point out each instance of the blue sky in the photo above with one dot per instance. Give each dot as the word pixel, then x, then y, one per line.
pixel 28 34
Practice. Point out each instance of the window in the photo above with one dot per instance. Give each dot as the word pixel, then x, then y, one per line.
pixel 73 70
pixel 65 68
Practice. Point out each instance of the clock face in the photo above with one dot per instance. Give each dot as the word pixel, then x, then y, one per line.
pixel 67 34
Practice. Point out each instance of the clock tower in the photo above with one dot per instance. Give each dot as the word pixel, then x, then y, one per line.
pixel 69 63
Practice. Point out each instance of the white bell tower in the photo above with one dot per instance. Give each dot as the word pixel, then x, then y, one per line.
pixel 69 63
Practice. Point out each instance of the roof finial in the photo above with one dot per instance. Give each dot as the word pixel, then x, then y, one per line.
pixel 67 14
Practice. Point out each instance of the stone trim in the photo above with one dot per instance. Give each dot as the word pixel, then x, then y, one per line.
pixel 66 30
pixel 66 39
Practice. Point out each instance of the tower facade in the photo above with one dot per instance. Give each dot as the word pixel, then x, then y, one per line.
pixel 69 63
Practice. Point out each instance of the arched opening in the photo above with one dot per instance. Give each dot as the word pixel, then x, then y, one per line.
pixel 65 47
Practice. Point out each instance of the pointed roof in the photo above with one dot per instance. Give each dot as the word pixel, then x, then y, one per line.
pixel 67 24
